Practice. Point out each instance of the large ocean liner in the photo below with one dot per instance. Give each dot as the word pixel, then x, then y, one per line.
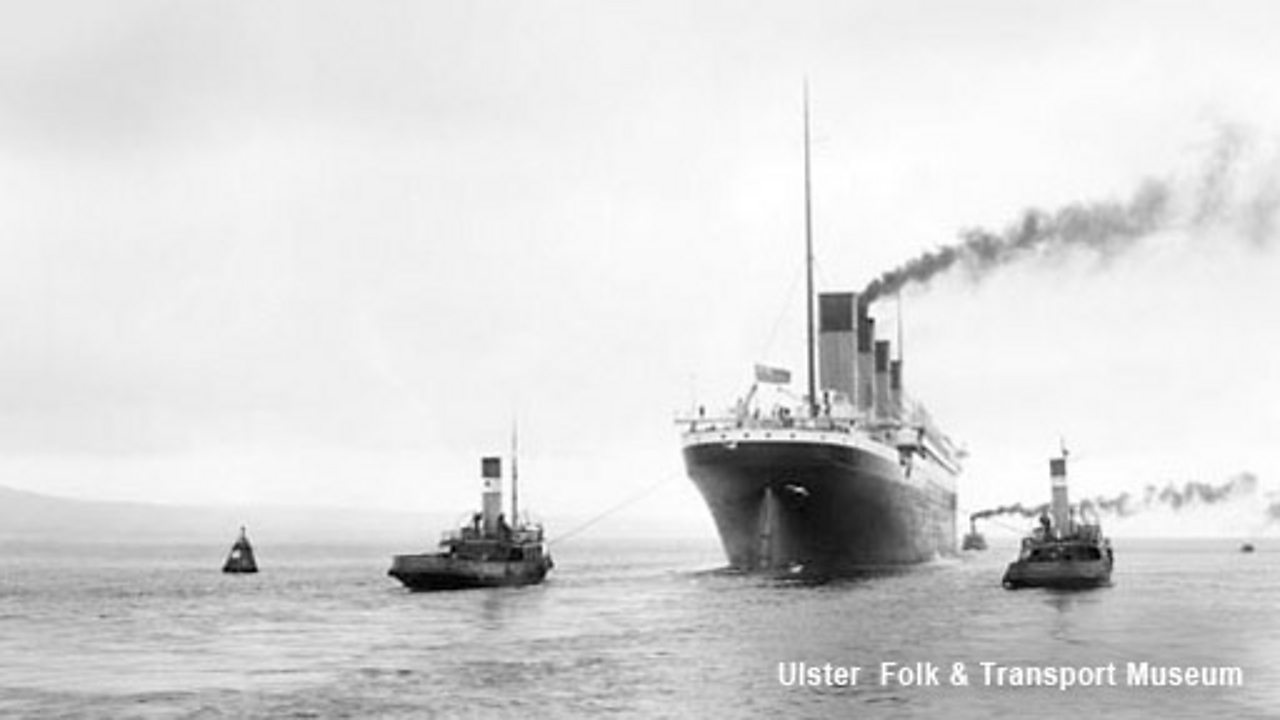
pixel 852 476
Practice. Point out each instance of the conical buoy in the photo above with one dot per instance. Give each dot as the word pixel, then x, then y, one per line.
pixel 240 560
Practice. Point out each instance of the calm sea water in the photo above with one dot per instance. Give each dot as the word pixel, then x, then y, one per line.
pixel 626 629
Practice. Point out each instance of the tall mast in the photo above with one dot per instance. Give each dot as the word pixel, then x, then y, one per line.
pixel 515 480
pixel 808 261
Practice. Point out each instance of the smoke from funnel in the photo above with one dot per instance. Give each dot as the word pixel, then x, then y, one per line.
pixel 1111 227
pixel 1014 509
pixel 1273 510
pixel 1173 496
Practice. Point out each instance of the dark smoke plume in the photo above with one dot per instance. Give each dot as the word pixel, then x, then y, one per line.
pixel 1172 495
pixel 1273 510
pixel 1014 509
pixel 1108 228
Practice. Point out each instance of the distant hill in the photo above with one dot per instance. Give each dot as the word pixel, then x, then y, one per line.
pixel 32 516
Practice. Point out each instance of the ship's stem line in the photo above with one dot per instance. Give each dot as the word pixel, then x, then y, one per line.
pixel 625 503
pixel 765 557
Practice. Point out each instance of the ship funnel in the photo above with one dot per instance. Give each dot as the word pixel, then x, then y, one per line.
pixel 837 342
pixel 882 409
pixel 491 472
pixel 865 373
pixel 1060 507
pixel 895 387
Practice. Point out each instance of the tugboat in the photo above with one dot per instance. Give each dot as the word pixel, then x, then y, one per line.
pixel 240 559
pixel 973 540
pixel 1061 553
pixel 487 552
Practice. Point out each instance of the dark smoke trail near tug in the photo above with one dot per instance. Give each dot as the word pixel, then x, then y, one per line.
pixel 1173 495
pixel 856 477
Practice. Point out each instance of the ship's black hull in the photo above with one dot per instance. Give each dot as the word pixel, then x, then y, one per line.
pixel 1062 575
pixel 828 508
pixel 428 572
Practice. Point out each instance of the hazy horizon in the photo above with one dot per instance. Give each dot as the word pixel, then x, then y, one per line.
pixel 1232 518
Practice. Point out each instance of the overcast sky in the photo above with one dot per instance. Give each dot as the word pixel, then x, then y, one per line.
pixel 324 252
